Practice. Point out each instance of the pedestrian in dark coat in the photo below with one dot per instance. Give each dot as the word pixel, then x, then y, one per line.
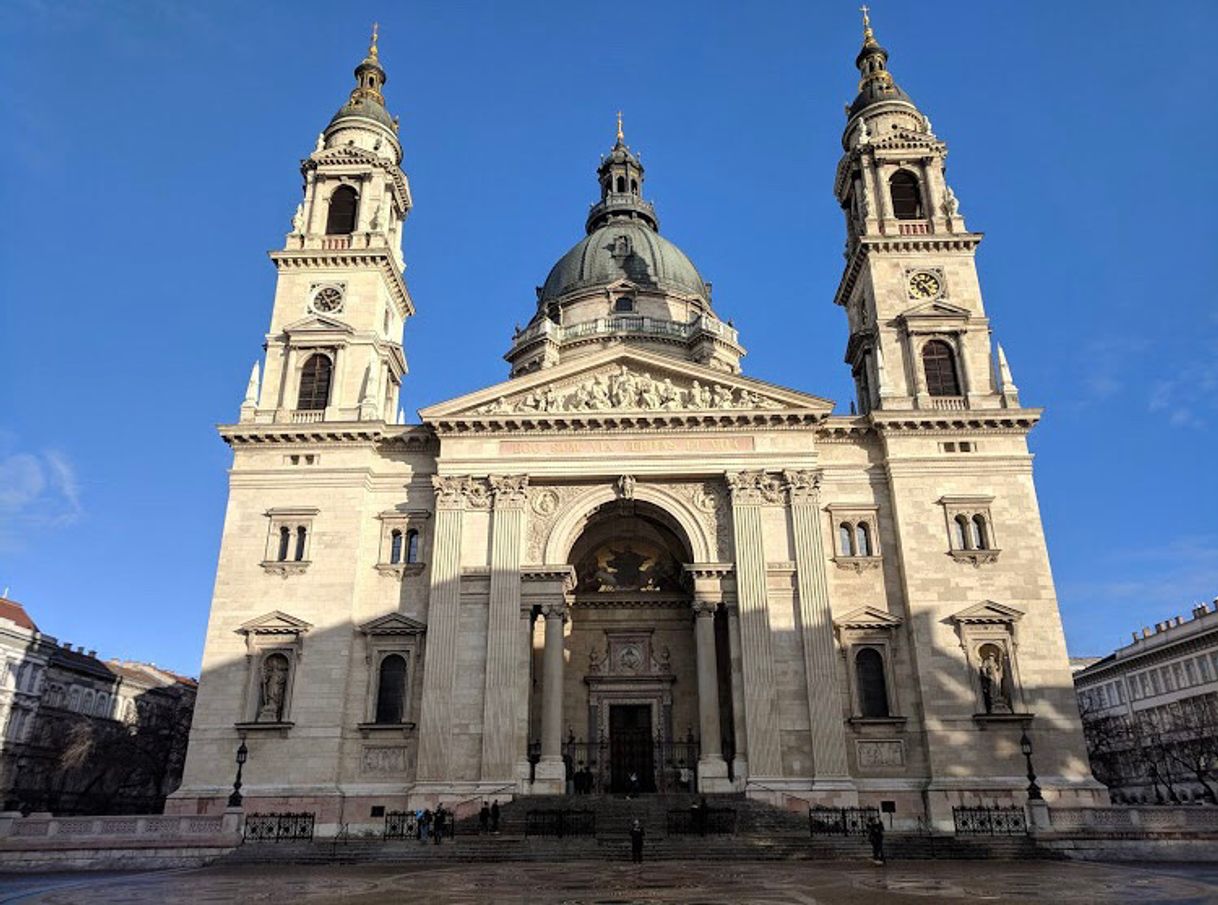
pixel 495 816
pixel 875 835
pixel 484 818
pixel 425 825
pixel 439 824
pixel 636 842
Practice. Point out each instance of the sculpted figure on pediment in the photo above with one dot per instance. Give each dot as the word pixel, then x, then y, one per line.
pixel 625 390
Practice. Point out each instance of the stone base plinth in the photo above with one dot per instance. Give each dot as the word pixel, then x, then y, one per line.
pixel 550 777
pixel 712 775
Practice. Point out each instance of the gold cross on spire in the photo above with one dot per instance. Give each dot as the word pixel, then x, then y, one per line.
pixel 620 135
pixel 866 18
pixel 372 52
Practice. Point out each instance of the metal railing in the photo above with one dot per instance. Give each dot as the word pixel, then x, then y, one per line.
pixel 560 823
pixel 401 825
pixel 280 827
pixel 841 821
pixel 701 822
pixel 603 767
pixel 995 821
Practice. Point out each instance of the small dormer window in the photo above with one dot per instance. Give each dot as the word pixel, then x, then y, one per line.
pixel 623 303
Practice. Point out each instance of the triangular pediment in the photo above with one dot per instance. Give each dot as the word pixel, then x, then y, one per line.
pixel 275 622
pixel 625 381
pixel 393 624
pixel 939 308
pixel 317 323
pixel 988 612
pixel 867 617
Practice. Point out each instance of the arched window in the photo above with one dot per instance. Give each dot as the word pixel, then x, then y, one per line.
pixel 634 186
pixel 981 534
pixel 939 365
pixel 621 183
pixel 872 687
pixel 285 540
pixel 340 219
pixel 412 546
pixel 863 535
pixel 301 535
pixel 395 546
pixel 314 391
pixel 906 195
pixel 961 534
pixel 845 539
pixel 391 690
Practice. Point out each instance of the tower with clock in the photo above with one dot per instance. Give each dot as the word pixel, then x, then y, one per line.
pixel 334 350
pixel 919 337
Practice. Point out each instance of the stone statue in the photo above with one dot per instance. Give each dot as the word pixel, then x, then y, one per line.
pixel 596 662
pixel 926 123
pixel 864 135
pixel 951 206
pixel 625 487
pixel 298 219
pixel 721 397
pixel 600 394
pixel 274 688
pixel 993 692
pixel 699 396
pixel 321 142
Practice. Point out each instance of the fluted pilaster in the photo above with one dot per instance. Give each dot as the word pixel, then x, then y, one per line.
pixel 820 664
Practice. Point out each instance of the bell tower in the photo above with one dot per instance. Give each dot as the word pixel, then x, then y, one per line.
pixel 919 337
pixel 334 349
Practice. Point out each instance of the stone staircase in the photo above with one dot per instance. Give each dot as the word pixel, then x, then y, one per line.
pixel 763 833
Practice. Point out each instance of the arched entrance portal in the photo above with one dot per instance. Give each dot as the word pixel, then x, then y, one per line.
pixel 632 713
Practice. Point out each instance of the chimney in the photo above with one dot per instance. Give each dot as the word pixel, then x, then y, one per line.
pixel 1199 610
pixel 93 654
pixel 1145 631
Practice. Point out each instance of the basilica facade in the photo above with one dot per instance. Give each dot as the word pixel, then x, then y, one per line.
pixel 629 562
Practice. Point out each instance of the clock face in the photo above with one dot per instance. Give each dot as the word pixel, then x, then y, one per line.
pixel 328 300
pixel 924 285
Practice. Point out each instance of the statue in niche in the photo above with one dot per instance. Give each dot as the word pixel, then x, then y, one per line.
pixel 994 693
pixel 596 661
pixel 274 688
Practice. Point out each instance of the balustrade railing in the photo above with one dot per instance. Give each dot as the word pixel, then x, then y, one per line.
pixel 949 403
pixel 309 416
pixel 995 821
pixel 628 323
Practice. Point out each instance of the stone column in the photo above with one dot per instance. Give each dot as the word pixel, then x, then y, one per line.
pixel 443 622
pixel 750 491
pixel 551 771
pixel 740 762
pixel 820 652
pixel 502 637
pixel 707 580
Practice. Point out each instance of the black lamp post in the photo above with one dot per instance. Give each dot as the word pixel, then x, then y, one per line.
pixel 243 753
pixel 1025 745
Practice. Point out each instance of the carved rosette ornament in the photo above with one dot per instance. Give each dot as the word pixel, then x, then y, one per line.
pixel 510 491
pixel 803 487
pixel 754 488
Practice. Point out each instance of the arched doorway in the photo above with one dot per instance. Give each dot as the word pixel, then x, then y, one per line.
pixel 630 686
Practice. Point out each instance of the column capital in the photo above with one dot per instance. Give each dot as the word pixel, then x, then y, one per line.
pixel 461 492
pixel 702 607
pixel 555 610
pixel 510 491
pixel 753 487
pixel 803 486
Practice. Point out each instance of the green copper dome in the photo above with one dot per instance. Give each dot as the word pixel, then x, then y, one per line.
pixel 624 249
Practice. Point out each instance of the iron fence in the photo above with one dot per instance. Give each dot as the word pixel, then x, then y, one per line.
pixel 401 825
pixel 560 823
pixel 841 821
pixel 995 821
pixel 280 827
pixel 701 822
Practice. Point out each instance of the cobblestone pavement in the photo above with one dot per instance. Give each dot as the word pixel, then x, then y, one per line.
pixel 689 882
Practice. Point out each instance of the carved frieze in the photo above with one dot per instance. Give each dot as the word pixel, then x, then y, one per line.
pixel 628 390
pixel 878 753
pixel 382 759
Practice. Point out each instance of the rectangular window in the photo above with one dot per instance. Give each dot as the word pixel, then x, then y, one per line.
pixel 1203 666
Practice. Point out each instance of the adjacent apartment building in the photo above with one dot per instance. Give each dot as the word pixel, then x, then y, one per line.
pixel 83 735
pixel 1150 712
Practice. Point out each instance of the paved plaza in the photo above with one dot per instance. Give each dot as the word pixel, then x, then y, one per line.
pixel 719 883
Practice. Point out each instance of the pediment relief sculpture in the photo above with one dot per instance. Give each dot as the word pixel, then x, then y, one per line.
pixel 628 390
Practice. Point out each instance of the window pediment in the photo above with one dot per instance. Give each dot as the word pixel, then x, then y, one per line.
pixel 317 323
pixel 987 612
pixel 393 624
pixel 275 622
pixel 867 617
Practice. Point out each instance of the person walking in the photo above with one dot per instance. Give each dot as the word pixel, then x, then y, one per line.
pixel 636 842
pixel 425 825
pixel 875 835
pixel 495 816
pixel 484 819
pixel 418 824
pixel 634 784
pixel 439 823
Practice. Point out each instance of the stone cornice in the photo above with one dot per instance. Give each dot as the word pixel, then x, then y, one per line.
pixel 899 244
pixel 592 422
pixel 973 420
pixel 334 432
pixel 327 259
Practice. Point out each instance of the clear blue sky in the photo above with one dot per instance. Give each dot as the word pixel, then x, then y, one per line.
pixel 150 159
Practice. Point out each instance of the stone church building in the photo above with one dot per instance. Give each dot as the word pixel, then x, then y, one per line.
pixel 629 557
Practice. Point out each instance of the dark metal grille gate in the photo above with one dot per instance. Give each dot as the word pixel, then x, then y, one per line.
pixel 285 827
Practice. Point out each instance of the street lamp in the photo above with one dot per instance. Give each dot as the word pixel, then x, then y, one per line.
pixel 243 753
pixel 1025 745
